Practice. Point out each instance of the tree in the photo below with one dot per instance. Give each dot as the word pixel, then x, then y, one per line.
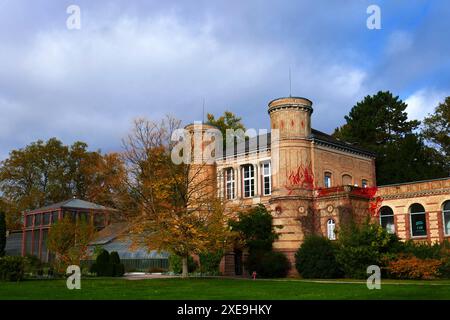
pixel 69 240
pixel 2 234
pixel 436 128
pixel 255 228
pixel 48 172
pixel 228 121
pixel 177 202
pixel 376 121
pixel 380 124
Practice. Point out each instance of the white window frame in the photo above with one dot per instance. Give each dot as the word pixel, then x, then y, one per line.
pixel 387 216
pixel 266 176
pixel 327 178
pixel 230 184
pixel 444 212
pixel 250 179
pixel 410 222
pixel 331 229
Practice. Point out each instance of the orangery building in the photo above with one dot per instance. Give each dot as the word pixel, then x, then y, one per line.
pixel 312 182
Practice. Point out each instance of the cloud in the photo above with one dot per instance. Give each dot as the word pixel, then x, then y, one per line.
pixel 144 58
pixel 423 102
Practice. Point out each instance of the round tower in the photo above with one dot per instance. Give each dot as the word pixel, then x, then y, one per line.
pixel 290 120
pixel 202 169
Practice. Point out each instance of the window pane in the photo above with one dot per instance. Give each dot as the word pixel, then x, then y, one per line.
pixel 418 225
pixel 447 222
pixel 29 220
pixel 28 241
pixel 54 217
pixel 387 223
pixel 36 243
pixel 37 219
pixel 416 208
pixel 44 245
pixel 46 218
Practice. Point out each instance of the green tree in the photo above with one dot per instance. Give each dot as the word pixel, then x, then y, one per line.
pixel 2 234
pixel 255 228
pixel 380 124
pixel 227 121
pixel 436 128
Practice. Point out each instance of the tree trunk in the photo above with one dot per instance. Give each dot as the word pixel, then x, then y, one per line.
pixel 184 261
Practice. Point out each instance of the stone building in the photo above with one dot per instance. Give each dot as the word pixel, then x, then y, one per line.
pixel 312 182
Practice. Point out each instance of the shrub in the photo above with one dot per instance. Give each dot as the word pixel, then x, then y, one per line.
pixel 414 268
pixel 118 270
pixel 114 257
pixel 360 246
pixel 316 259
pixel 33 264
pixel 268 264
pixel 210 261
pixel 103 267
pixel 177 267
pixel 422 250
pixel 12 268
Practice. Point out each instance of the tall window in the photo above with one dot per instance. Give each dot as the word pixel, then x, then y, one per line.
pixel 364 183
pixel 249 181
pixel 230 186
pixel 446 214
pixel 267 179
pixel 387 219
pixel 327 180
pixel 418 220
pixel 346 180
pixel 331 225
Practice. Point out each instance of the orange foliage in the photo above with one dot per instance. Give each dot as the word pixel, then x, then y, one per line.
pixel 414 268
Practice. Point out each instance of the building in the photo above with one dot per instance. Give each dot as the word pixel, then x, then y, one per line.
pixel 38 222
pixel 312 183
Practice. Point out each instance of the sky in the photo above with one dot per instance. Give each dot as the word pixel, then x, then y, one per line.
pixel 133 59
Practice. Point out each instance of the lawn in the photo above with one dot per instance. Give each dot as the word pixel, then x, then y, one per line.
pixel 214 288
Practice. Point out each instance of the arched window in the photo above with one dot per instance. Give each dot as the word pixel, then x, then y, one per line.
pixel 446 215
pixel 418 220
pixel 346 179
pixel 387 219
pixel 327 180
pixel 330 229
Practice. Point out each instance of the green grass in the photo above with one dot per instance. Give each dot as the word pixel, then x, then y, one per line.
pixel 221 289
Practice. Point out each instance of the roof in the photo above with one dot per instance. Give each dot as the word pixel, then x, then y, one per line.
pixel 72 204
pixel 115 238
pixel 263 142
pixel 324 138
pixel 110 233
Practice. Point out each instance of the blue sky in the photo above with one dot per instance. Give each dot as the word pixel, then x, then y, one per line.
pixel 150 58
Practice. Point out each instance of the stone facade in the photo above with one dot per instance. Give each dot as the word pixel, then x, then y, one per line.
pixel 312 182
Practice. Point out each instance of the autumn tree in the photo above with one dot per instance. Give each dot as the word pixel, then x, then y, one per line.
pixel 179 210
pixel 436 128
pixel 48 172
pixel 69 240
